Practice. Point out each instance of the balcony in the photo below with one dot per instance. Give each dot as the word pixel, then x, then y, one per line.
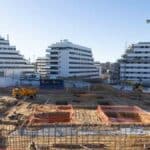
pixel 136 60
pixel 129 50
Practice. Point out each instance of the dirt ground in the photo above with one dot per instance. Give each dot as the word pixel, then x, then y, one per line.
pixel 98 94
pixel 14 113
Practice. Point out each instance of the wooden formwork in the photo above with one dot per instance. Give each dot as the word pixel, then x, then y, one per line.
pixel 57 114
pixel 122 115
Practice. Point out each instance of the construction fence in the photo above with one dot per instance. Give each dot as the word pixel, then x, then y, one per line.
pixel 63 137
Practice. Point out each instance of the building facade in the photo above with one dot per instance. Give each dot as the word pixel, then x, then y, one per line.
pixel 115 73
pixel 12 63
pixel 71 60
pixel 13 66
pixel 135 64
pixel 98 66
pixel 43 66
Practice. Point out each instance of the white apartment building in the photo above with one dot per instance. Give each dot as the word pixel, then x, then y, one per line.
pixel 135 64
pixel 71 60
pixel 43 66
pixel 98 66
pixel 12 63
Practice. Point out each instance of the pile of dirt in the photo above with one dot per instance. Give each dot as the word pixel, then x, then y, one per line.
pixel 6 102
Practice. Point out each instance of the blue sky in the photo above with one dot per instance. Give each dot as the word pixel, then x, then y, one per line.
pixel 106 26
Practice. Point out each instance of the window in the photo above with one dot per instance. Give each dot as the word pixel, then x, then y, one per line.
pixel 53 72
pixel 1 73
pixel 54 67
pixel 54 63
pixel 54 58
pixel 54 53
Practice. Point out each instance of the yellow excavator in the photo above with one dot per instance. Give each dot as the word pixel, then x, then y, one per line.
pixel 23 92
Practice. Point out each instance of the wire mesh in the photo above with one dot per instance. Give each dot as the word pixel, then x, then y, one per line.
pixel 75 137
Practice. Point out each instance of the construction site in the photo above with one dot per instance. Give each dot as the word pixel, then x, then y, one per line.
pixel 102 118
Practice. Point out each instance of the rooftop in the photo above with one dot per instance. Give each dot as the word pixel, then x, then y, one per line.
pixel 66 43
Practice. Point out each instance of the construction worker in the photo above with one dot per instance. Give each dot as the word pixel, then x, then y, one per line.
pixel 32 146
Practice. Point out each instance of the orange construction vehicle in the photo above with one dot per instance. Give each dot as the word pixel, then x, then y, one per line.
pixel 24 92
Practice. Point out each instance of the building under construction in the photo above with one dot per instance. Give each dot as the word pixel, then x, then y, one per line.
pixel 59 127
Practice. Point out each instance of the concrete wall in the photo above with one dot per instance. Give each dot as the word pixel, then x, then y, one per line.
pixel 75 84
pixel 34 83
pixel 7 81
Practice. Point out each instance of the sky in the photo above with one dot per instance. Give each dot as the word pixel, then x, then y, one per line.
pixel 106 26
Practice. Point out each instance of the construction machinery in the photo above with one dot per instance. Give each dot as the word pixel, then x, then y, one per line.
pixel 24 92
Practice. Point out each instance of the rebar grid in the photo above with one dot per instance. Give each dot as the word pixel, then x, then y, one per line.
pixel 76 137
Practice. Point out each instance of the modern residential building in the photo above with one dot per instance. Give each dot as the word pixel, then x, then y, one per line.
pixel 98 66
pixel 105 71
pixel 135 64
pixel 71 60
pixel 106 67
pixel 115 73
pixel 43 66
pixel 12 63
